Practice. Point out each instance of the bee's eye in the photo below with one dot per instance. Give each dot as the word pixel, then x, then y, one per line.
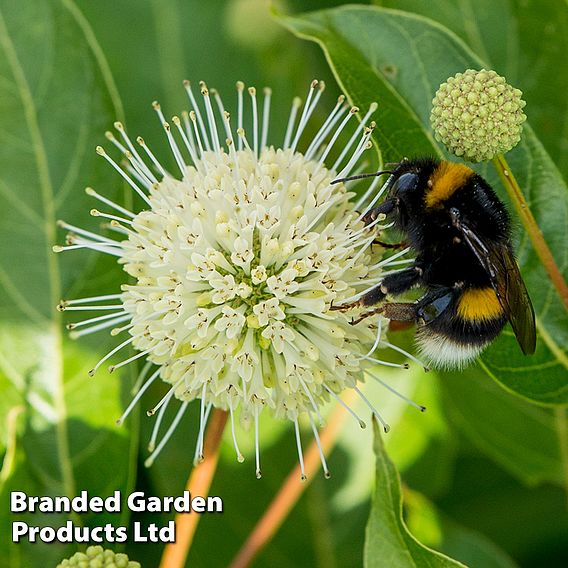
pixel 405 182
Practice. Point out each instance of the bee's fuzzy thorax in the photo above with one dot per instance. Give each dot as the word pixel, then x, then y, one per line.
pixel 446 179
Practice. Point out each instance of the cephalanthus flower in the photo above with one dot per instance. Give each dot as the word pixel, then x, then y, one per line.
pixel 236 261
pixel 477 115
pixel 97 557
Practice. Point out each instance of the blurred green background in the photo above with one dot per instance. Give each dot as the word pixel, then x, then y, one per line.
pixel 482 470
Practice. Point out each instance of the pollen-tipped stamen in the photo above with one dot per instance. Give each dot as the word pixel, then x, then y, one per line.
pixel 361 422
pixel 252 93
pixel 199 450
pixel 296 104
pixel 420 407
pixel 240 103
pixel 372 108
pixel 97 319
pixel 165 398
pixel 113 368
pixel 210 117
pixel 135 155
pixel 186 141
pixel 337 112
pixel 168 434
pixel 326 472
pixel 240 457
pixel 299 447
pixel 256 444
pixel 309 107
pixel 111 353
pixel 99 327
pixel 197 113
pixel 267 92
pixel 375 412
pixel 158 422
pixel 145 386
pixel 101 152
pixel 406 353
pixel 352 112
pixel 150 155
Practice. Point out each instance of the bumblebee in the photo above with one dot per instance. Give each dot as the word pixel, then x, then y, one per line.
pixel 460 232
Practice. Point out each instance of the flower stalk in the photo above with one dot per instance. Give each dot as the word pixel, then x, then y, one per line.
pixel 531 226
pixel 199 482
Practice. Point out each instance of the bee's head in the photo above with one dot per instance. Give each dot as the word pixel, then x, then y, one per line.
pixel 406 179
pixel 407 186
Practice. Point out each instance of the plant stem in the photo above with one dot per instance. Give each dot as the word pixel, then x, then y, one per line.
pixel 199 482
pixel 289 493
pixel 561 419
pixel 533 230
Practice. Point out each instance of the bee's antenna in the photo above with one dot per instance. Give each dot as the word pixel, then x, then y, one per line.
pixel 361 176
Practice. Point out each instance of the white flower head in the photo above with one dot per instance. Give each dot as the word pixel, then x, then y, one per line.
pixel 237 259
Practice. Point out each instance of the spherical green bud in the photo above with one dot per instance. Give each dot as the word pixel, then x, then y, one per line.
pixel 97 557
pixel 477 115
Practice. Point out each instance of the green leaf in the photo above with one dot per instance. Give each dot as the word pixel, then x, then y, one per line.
pixel 412 433
pixel 389 543
pixel 520 436
pixel 56 100
pixel 399 60
pixel 437 530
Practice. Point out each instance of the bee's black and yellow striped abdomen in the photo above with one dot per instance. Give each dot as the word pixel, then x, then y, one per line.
pixel 461 332
pixel 477 305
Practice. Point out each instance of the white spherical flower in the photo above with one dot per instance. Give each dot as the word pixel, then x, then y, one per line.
pixel 237 260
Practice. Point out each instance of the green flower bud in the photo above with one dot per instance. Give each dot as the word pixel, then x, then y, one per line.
pixel 477 115
pixel 96 557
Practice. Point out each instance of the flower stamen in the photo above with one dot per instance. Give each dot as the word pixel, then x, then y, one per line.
pixel 326 471
pixel 168 434
pixel 138 394
pixel 375 412
pixel 197 115
pixel 299 447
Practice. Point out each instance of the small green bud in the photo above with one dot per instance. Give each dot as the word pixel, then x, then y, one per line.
pixel 477 115
pixel 97 557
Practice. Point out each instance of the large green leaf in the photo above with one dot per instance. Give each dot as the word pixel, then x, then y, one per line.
pixel 389 543
pixel 56 100
pixel 438 531
pixel 399 60
pixel 520 436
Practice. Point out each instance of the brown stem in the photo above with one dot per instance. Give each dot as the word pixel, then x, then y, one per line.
pixel 533 230
pixel 289 493
pixel 199 482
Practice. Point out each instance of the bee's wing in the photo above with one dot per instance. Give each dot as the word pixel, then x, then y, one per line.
pixel 508 284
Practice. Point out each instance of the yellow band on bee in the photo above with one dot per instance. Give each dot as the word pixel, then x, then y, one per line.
pixel 447 178
pixel 477 304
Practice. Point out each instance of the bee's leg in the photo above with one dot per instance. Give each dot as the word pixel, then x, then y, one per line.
pixel 393 284
pixel 426 309
pixel 389 245
pixel 406 311
pixel 386 207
